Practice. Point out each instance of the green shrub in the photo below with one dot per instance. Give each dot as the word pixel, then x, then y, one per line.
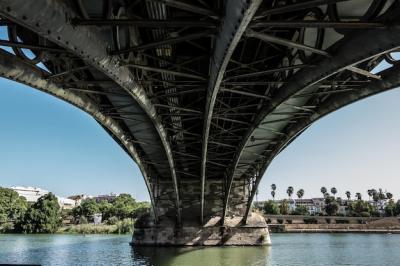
pixel 82 220
pixel 113 220
pixel 328 220
pixel 7 227
pixel 125 226
pixel 280 221
pixel 340 221
pixel 365 214
pixel 289 221
pixel 269 221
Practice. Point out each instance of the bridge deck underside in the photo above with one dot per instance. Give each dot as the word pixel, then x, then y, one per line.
pixel 206 93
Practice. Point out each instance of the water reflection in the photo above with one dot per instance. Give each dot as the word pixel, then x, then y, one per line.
pixel 160 256
pixel 286 249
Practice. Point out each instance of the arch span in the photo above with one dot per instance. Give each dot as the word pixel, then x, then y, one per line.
pixel 16 69
pixel 390 79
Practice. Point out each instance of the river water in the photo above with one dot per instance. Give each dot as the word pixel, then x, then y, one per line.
pixel 286 249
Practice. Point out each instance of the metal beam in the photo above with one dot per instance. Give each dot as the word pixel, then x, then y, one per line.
pixel 48 19
pixel 67 72
pixel 31 46
pixel 166 71
pixel 16 69
pixel 174 40
pixel 276 40
pixel 188 7
pixel 297 6
pixel 238 15
pixel 246 93
pixel 145 23
pixel 262 73
pixel 318 24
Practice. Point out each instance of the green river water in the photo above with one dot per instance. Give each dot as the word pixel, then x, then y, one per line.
pixel 286 249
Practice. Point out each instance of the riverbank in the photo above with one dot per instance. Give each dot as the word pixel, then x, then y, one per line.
pixel 382 226
pixel 118 228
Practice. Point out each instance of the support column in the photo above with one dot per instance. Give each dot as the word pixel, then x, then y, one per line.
pixel 233 233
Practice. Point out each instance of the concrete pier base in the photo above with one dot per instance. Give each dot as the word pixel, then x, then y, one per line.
pixel 233 233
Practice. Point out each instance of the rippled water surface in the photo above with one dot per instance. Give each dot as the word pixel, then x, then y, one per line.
pixel 286 249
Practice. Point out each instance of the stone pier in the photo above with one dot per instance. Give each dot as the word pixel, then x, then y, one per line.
pixel 233 233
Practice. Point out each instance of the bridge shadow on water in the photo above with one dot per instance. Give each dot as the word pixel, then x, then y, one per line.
pixel 204 256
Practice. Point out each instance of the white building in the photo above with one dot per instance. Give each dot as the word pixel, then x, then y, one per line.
pixel 66 203
pixel 31 194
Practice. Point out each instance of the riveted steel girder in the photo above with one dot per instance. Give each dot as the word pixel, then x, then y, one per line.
pixel 52 20
pixel 238 15
pixel 346 53
pixel 16 69
pixel 390 80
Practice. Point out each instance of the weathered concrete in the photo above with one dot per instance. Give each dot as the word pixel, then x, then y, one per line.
pixel 233 233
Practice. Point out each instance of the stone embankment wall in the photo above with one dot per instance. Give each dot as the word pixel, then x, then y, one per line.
pixel 380 225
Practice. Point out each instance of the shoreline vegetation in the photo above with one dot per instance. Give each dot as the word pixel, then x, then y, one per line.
pixel 46 217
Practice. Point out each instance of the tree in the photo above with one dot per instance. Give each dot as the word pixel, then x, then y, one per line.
pixel 358 196
pixel 333 191
pixel 87 208
pixel 390 209
pixel 12 206
pixel 284 207
pixel 290 191
pixel 374 194
pixel 270 207
pixel 370 193
pixel 381 195
pixel 348 195
pixel 124 206
pixel 359 207
pixel 44 216
pixel 300 210
pixel 389 195
pixel 106 209
pixel 273 188
pixel 323 191
pixel 331 206
pixel 397 210
pixel 300 193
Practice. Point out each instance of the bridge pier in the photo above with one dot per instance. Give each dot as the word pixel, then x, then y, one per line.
pixel 233 233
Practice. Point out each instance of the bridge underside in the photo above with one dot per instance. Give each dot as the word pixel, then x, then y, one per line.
pixel 202 94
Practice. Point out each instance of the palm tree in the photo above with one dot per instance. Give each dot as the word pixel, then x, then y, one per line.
pixel 358 196
pixel 323 191
pixel 389 195
pixel 273 187
pixel 348 195
pixel 369 191
pixel 289 191
pixel 273 194
pixel 300 193
pixel 333 191
pixel 381 195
